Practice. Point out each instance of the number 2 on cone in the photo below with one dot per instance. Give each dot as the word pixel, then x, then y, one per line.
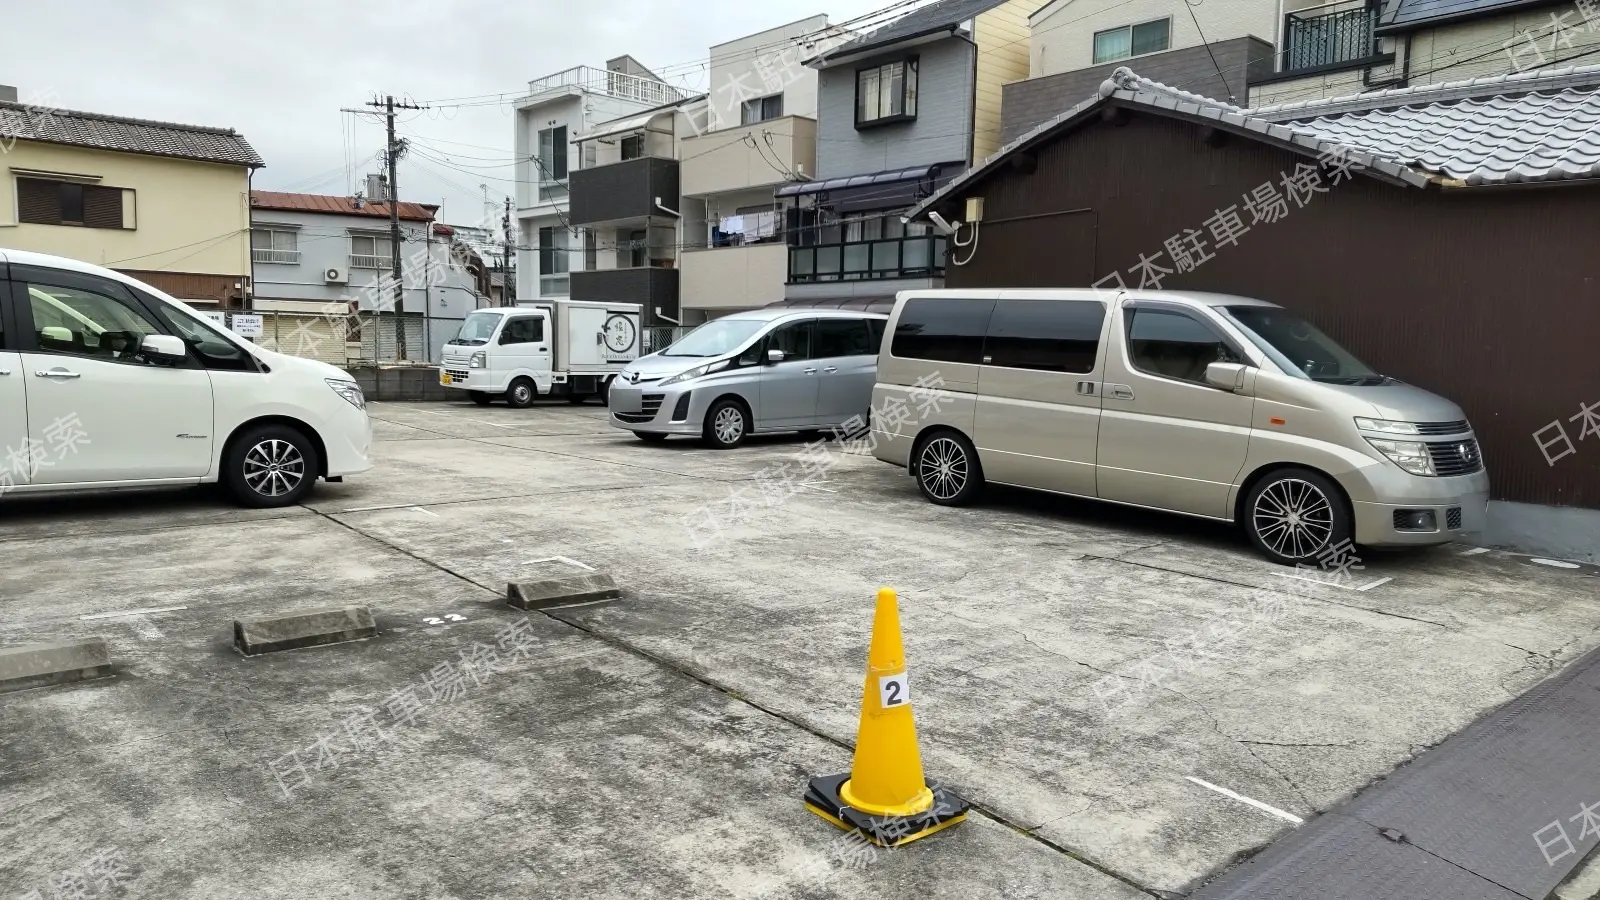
pixel 893 690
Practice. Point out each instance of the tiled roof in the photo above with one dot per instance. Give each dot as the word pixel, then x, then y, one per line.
pixel 344 206
pixel 918 22
pixel 60 126
pixel 1535 126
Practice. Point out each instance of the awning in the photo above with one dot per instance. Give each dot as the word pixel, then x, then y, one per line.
pixel 894 176
pixel 621 126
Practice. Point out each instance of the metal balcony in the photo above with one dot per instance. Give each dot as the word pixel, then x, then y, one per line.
pixel 1328 38
pixel 907 257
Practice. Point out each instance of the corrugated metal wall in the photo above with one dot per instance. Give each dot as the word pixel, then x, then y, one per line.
pixel 1489 297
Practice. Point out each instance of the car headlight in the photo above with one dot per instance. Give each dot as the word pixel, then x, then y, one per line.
pixel 477 361
pixel 1411 456
pixel 350 391
pixel 1386 426
pixel 696 372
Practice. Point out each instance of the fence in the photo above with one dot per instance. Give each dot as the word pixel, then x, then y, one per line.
pixel 342 340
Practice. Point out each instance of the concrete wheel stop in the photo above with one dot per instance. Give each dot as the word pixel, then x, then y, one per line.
pixel 566 590
pixel 37 665
pixel 303 628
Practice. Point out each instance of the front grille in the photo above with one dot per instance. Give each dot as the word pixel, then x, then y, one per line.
pixel 681 411
pixel 1452 518
pixel 458 374
pixel 634 418
pixel 651 404
pixel 1436 428
pixel 1455 457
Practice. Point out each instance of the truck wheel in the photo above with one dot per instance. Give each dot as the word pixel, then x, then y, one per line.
pixel 270 466
pixel 480 398
pixel 727 424
pixel 1297 516
pixel 521 394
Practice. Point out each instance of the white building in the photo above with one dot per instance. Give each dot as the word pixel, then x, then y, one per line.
pixel 557 109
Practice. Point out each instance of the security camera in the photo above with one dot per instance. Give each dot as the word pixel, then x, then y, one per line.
pixel 945 228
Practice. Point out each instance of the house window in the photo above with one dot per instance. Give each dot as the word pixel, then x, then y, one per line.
pixel 762 109
pixel 638 249
pixel 633 146
pixel 552 161
pixel 271 246
pixel 553 247
pixel 886 93
pixel 1132 40
pixel 44 202
pixel 371 252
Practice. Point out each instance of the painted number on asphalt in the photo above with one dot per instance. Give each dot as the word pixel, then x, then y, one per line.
pixel 452 617
pixel 893 690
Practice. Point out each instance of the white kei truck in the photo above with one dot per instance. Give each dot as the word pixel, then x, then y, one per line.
pixel 567 348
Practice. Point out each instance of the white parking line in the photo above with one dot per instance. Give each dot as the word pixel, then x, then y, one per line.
pixel 560 559
pixel 1334 584
pixel 1270 810
pixel 813 484
pixel 131 612
pixel 586 603
pixel 1368 587
pixel 1474 551
pixel 425 512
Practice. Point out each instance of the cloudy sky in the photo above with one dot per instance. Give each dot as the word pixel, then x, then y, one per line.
pixel 280 71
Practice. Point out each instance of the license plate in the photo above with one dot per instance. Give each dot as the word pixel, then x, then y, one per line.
pixel 444 378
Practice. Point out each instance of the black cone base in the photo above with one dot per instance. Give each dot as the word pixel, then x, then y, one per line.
pixel 822 797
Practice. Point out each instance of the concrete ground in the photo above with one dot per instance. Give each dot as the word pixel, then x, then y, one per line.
pixel 1131 701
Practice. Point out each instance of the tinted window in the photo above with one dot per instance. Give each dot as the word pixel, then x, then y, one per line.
pixel 944 330
pixel 1051 335
pixel 793 339
pixel 523 330
pixel 844 337
pixel 1174 345
pixel 878 326
pixel 86 323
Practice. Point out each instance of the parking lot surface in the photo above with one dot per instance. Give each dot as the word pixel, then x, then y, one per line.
pixel 1132 702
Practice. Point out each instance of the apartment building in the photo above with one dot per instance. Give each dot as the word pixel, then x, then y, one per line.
pixel 1339 49
pixel 163 202
pixel 900 111
pixel 548 120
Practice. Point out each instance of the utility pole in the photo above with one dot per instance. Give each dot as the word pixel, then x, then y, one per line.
pixel 394 150
pixel 507 289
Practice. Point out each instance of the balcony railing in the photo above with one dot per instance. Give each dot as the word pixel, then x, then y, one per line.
pixel 612 84
pixel 286 257
pixel 367 261
pixel 1328 38
pixel 907 257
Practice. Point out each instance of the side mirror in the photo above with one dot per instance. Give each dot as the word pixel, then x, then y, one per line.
pixel 1227 376
pixel 774 356
pixel 163 348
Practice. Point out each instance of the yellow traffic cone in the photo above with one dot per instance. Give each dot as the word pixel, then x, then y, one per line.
pixel 885 796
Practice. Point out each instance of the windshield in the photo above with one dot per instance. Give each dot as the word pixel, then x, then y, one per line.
pixel 478 328
pixel 1299 348
pixel 717 338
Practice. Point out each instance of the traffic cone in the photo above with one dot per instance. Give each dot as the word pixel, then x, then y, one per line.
pixel 884 796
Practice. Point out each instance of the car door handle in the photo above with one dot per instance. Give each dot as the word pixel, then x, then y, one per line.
pixel 4 372
pixel 57 373
pixel 1087 388
pixel 810 371
pixel 831 369
pixel 1120 391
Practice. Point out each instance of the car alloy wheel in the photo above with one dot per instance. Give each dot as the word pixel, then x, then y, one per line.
pixel 274 468
pixel 1293 518
pixel 943 468
pixel 728 425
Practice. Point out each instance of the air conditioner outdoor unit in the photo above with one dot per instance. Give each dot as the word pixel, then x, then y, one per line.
pixel 336 276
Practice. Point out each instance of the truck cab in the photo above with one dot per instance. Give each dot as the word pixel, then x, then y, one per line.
pixel 566 349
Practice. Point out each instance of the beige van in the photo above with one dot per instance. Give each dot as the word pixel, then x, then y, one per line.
pixel 1207 405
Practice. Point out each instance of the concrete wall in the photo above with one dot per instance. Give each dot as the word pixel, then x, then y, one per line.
pixel 442 288
pixel 720 161
pixel 1003 40
pixel 1063 37
pixel 1030 102
pixel 940 133
pixel 765 63
pixel 727 278
pixel 187 216
pixel 1457 52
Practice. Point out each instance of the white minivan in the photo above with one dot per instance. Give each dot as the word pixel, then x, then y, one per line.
pixel 106 382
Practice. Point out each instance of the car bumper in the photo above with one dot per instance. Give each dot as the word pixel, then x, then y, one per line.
pixel 464 379
pixel 892 448
pixel 348 442
pixel 1459 506
pixel 656 410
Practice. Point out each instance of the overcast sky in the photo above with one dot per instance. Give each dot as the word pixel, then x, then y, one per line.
pixel 279 71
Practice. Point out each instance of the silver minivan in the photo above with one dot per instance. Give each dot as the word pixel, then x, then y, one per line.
pixel 1209 405
pixel 765 370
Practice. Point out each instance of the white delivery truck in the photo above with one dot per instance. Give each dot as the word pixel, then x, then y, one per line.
pixel 569 348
